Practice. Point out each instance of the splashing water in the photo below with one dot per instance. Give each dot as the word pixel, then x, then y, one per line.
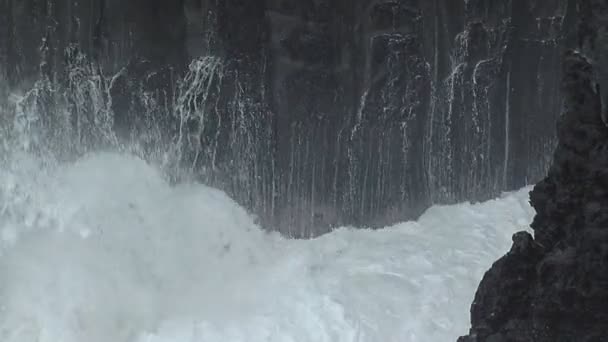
pixel 104 249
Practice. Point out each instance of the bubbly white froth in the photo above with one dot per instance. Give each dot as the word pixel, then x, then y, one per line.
pixel 105 250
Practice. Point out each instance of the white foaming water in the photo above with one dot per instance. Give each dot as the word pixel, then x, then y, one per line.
pixel 103 250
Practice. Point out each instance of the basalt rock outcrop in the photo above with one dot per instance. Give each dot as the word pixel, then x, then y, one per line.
pixel 310 113
pixel 553 287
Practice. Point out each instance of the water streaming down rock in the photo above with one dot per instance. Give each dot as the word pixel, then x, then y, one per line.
pixel 222 137
pixel 311 114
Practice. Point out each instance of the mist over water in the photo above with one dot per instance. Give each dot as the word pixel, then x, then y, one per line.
pixel 104 249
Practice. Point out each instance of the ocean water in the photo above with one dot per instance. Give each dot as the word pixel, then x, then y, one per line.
pixel 104 250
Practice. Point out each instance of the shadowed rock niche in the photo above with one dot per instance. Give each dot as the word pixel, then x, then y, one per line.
pixel 554 287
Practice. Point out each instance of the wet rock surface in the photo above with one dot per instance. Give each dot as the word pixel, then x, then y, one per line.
pixel 359 112
pixel 554 287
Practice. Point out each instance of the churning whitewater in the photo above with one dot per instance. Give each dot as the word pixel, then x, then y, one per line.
pixel 103 249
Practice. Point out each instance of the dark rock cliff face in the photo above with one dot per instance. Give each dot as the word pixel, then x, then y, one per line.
pixel 554 287
pixel 314 113
pixel 413 102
